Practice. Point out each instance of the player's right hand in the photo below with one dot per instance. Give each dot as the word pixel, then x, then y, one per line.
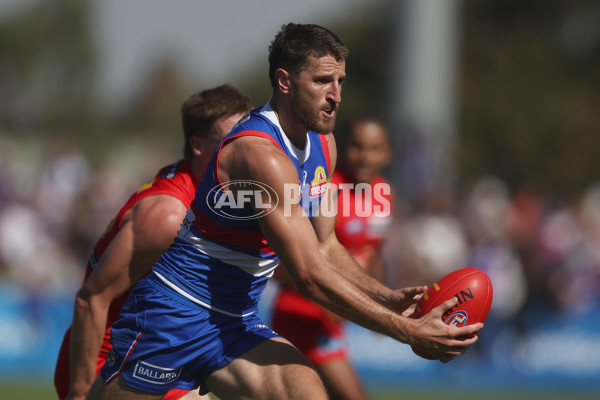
pixel 441 341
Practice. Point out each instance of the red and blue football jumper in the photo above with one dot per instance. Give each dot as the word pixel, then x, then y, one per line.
pixel 196 311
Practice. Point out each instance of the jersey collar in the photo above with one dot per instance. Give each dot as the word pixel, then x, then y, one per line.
pixel 300 154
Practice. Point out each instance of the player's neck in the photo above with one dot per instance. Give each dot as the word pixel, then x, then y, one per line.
pixel 288 119
pixel 198 165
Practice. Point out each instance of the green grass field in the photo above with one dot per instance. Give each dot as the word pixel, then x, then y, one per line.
pixel 22 391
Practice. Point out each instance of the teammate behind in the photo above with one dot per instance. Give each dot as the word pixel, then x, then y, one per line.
pixel 137 236
pixel 192 322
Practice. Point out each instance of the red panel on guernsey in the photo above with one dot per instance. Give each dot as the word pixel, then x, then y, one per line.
pixel 243 237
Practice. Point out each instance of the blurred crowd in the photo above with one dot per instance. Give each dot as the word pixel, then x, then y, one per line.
pixel 542 254
pixel 53 207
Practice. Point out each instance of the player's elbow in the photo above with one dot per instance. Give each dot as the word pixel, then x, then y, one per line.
pixel 83 298
pixel 307 285
pixel 87 299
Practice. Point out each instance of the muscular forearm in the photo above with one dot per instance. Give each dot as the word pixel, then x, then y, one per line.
pixel 339 259
pixel 340 296
pixel 87 332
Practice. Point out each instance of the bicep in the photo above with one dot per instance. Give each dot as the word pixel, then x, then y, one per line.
pixel 286 227
pixel 293 239
pixel 156 221
pixel 146 233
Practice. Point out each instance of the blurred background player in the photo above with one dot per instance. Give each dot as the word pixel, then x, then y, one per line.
pixel 317 332
pixel 133 241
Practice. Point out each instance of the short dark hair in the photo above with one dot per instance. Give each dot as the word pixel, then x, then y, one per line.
pixel 345 139
pixel 294 43
pixel 201 110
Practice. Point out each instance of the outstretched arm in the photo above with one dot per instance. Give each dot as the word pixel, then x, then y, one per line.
pixel 309 253
pixel 147 231
pixel 340 259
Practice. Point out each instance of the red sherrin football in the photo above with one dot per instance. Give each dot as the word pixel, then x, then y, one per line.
pixel 473 289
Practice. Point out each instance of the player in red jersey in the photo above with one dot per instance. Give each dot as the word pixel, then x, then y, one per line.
pixel 133 241
pixel 363 215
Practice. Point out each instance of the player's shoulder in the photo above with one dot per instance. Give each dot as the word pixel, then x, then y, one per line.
pixel 256 119
pixel 162 203
pixel 256 158
pixel 259 152
pixel 175 180
pixel 177 170
pixel 257 134
pixel 175 176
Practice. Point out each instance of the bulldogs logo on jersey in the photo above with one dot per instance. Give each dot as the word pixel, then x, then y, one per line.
pixel 318 186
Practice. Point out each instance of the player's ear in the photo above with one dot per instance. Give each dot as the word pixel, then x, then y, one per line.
pixel 283 80
pixel 197 145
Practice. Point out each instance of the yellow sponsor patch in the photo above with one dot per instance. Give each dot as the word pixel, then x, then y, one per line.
pixel 320 176
pixel 319 183
pixel 145 186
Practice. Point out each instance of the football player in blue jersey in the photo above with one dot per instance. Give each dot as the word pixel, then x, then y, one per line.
pixel 192 322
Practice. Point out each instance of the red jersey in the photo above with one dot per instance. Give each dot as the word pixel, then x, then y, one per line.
pixel 364 214
pixel 175 180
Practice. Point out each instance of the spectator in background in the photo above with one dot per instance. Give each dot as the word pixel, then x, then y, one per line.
pixel 63 180
pixel 585 266
pixel 524 221
pixel 33 245
pixel 8 176
pixel 142 230
pixel 486 211
pixel 435 235
pixel 107 191
pixel 569 255
pixel 315 331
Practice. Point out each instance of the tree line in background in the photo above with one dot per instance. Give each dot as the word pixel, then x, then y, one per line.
pixel 529 86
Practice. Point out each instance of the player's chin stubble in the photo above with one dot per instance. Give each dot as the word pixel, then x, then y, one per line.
pixel 312 118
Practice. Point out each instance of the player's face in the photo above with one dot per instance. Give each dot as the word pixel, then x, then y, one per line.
pixel 367 152
pixel 318 92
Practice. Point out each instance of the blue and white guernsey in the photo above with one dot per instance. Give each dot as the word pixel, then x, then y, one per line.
pixel 223 263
